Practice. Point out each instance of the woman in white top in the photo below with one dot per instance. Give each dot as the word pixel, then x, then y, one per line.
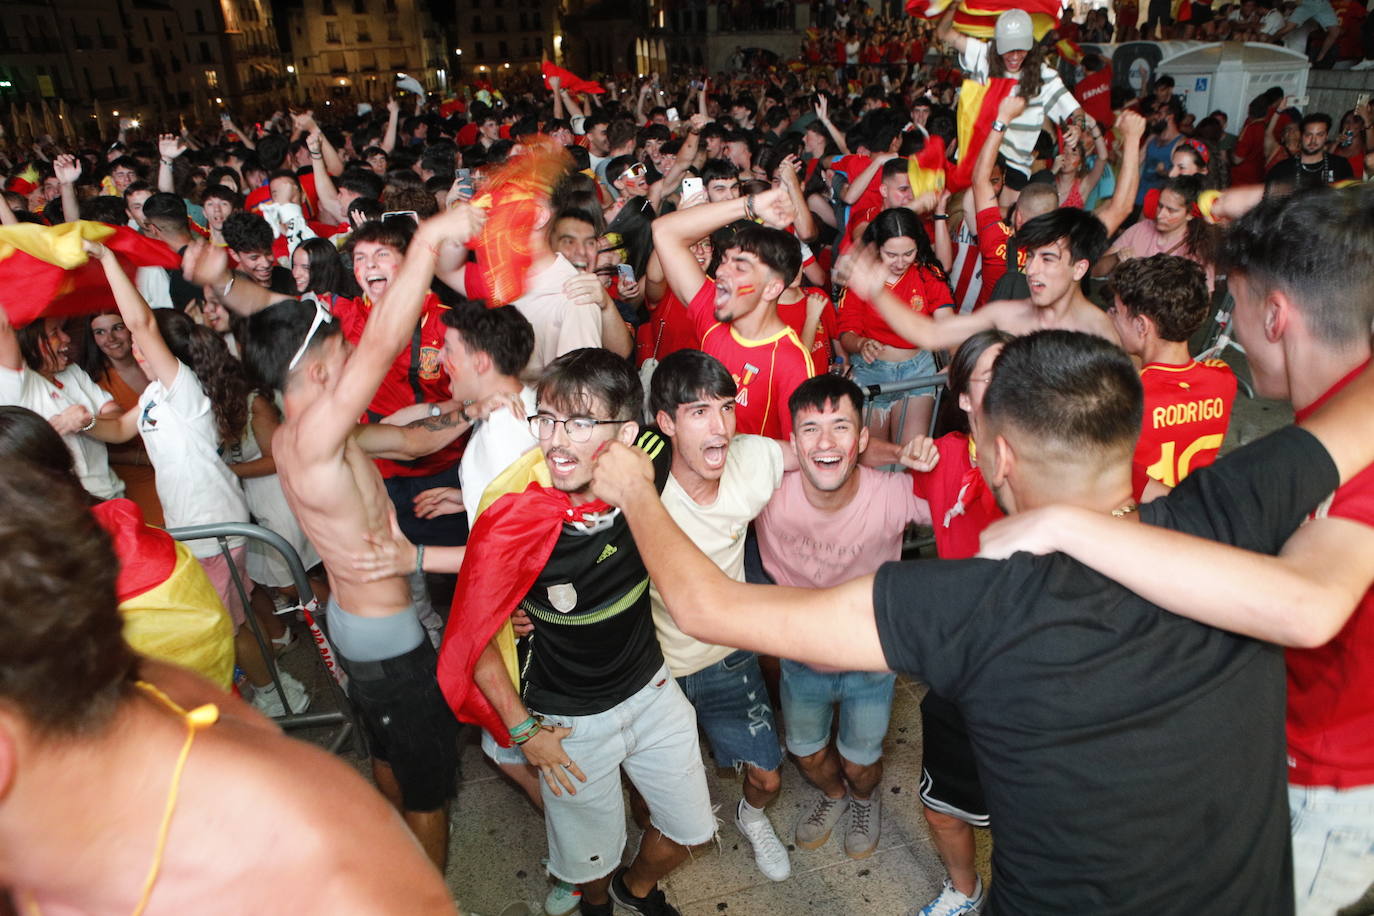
pixel 1021 57
pixel 183 428
pixel 36 372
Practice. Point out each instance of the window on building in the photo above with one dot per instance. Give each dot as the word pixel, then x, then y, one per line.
pixel 200 21
pixel 538 21
pixel 524 22
pixel 393 31
pixel 364 31
pixel 331 33
pixel 148 28
pixel 500 23
pixel 477 25
pixel 212 78
pixel 502 50
pixel 391 6
pixel 524 47
pixel 205 52
pixel 480 51
pixel 328 8
pixel 360 7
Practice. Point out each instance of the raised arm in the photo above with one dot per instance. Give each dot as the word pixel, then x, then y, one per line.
pixel 1130 126
pixel 68 170
pixel 859 185
pixel 205 264
pixel 389 328
pixel 570 103
pixel 823 115
pixel 393 118
pixel 790 178
pixel 945 31
pixel 686 155
pixel 830 626
pixel 138 317
pixel 944 242
pixel 169 147
pixel 1099 157
pixel 984 195
pixel 307 127
pixel 556 90
pixel 675 233
pixel 324 182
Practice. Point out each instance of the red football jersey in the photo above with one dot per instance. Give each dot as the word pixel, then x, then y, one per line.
pixel 668 330
pixel 961 505
pixel 1187 410
pixel 994 238
pixel 1331 688
pixel 794 315
pixel 767 371
pixel 920 289
pixel 416 376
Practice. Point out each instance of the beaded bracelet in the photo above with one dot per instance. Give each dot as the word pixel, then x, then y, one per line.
pixel 526 730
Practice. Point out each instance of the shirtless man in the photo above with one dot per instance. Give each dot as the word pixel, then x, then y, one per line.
pixel 89 759
pixel 1060 246
pixel 326 469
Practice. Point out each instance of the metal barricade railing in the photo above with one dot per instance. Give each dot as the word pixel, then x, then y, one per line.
pixel 1219 339
pixel 307 604
pixel 937 381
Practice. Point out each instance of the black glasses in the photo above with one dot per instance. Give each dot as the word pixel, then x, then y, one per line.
pixel 579 429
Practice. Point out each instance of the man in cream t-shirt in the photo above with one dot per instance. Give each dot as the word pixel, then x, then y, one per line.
pixel 718 483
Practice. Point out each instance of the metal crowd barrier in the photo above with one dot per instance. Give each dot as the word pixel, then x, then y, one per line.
pixel 344 718
pixel 937 381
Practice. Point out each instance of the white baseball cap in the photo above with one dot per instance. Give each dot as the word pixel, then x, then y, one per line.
pixel 1013 32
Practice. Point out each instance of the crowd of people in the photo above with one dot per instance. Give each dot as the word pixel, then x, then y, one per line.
pixel 600 416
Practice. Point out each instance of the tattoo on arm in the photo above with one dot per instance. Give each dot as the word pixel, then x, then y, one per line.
pixel 441 422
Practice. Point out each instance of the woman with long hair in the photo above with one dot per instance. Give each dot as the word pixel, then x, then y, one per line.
pixel 36 371
pixel 1175 227
pixel 108 358
pixel 317 268
pixel 196 402
pixel 1074 176
pixel 877 353
pixel 961 506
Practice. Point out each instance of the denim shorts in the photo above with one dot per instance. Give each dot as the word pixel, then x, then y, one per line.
pixel 880 371
pixel 733 709
pixel 653 735
pixel 808 700
pixel 1333 846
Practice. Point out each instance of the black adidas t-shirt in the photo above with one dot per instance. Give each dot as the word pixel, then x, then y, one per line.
pixel 594 644
pixel 1133 761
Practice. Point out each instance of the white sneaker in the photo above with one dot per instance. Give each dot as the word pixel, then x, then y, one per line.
pixel 953 903
pixel 563 899
pixel 266 700
pixel 1366 64
pixel 769 853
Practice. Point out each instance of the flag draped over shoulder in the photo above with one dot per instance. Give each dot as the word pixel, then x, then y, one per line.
pixel 977 110
pixel 508 548
pixel 44 271
pixel 513 198
pixel 570 81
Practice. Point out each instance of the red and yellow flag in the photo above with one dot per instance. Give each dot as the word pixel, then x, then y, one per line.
pixel 514 196
pixel 44 269
pixel 977 110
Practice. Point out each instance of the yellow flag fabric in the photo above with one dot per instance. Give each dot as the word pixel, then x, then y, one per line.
pixel 59 245
pixel 182 621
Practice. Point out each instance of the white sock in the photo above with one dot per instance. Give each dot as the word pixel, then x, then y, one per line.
pixel 749 814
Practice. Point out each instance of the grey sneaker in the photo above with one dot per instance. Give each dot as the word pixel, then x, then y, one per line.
pixel 814 828
pixel 861 836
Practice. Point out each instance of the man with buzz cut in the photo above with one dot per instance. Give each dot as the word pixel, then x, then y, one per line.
pixel 736 313
pixel 592 694
pixel 1133 760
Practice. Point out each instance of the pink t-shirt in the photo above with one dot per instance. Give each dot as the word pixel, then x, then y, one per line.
pixel 1143 240
pixel 812 548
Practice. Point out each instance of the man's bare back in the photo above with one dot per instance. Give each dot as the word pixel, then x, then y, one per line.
pixel 1021 317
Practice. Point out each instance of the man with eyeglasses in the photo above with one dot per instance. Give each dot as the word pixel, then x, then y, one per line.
pixel 593 694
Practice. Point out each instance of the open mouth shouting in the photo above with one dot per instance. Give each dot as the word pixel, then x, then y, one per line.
pixel 713 453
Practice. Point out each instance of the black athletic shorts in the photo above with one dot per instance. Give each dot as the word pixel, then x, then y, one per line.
pixel 408 724
pixel 949 776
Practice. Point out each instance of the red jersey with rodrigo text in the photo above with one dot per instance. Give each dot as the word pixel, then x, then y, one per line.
pixel 1187 410
pixel 1331 688
pixel 416 376
pixel 767 371
pixel 920 289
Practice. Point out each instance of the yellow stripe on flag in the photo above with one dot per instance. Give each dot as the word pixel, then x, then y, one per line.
pixel 57 245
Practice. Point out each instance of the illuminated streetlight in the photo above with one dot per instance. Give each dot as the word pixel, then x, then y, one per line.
pixel 507 65
pixel 290 68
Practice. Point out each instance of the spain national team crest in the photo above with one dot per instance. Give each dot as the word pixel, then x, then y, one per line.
pixel 429 362
pixel 563 597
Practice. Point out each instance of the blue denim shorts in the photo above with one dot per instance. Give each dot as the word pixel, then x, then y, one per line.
pixel 880 371
pixel 808 703
pixel 653 736
pixel 733 709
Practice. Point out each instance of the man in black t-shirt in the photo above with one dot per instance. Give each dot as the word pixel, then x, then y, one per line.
pixel 1132 760
pixel 596 695
pixel 1314 167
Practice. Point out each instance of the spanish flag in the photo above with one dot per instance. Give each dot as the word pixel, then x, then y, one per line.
pixel 977 18
pixel 571 81
pixel 44 269
pixel 926 169
pixel 514 195
pixel 977 110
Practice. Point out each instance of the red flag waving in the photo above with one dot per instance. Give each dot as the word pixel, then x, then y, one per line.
pixel 571 81
pixel 1094 93
pixel 44 270
pixel 512 200
pixel 977 110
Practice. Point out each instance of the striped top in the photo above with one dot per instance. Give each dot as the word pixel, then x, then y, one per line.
pixel 1053 101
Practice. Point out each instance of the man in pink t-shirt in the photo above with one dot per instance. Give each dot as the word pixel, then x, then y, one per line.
pixel 825 525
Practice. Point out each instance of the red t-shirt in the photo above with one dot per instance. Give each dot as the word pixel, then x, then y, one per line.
pixel 416 376
pixel 794 315
pixel 467 134
pixel 767 371
pixel 668 330
pixel 1331 688
pixel 994 238
pixel 920 289
pixel 870 53
pixel 894 51
pixel 839 51
pixel 915 51
pixel 1187 411
pixel 961 505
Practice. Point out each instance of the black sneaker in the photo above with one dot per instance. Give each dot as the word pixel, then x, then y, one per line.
pixel 586 908
pixel 655 904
